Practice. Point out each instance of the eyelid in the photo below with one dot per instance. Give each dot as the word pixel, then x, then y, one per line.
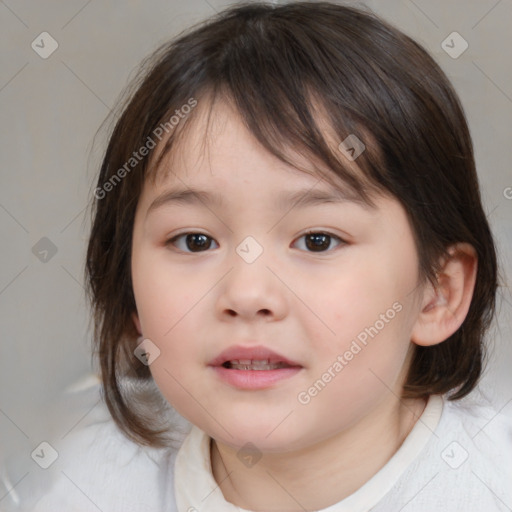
pixel 173 238
pixel 321 231
pixel 318 231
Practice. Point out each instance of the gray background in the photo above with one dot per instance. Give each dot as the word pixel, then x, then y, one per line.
pixel 51 109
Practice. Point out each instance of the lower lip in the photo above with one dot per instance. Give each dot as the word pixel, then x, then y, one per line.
pixel 254 379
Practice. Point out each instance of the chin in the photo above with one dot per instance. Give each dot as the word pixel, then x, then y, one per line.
pixel 268 434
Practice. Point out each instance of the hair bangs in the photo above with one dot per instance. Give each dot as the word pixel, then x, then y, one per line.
pixel 300 134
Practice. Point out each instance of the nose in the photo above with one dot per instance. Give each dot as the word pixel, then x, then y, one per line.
pixel 251 292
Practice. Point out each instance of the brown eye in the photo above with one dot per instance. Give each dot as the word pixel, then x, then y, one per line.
pixel 319 241
pixel 192 242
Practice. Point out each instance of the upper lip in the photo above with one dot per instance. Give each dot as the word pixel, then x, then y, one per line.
pixel 254 353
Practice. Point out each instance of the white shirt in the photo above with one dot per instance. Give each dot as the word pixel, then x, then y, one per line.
pixel 458 456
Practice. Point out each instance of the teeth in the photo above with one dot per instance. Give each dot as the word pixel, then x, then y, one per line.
pixel 254 364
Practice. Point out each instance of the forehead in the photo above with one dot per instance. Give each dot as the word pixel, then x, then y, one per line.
pixel 213 138
pixel 215 146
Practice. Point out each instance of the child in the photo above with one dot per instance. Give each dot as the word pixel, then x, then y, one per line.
pixel 289 248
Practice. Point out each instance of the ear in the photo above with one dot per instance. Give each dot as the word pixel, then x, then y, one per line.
pixel 136 321
pixel 445 307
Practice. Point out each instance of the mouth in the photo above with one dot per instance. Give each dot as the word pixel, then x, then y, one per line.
pixel 254 364
pixel 257 358
pixel 253 367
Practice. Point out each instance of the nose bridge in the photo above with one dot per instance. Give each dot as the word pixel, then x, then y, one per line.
pixel 250 287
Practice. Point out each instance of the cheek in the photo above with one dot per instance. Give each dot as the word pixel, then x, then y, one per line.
pixel 352 303
pixel 179 368
pixel 367 315
pixel 174 382
pixel 169 301
pixel 163 295
pixel 357 372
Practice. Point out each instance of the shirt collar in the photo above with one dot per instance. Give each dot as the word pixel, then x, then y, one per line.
pixel 196 489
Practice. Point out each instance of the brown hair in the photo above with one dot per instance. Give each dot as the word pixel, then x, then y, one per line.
pixel 275 63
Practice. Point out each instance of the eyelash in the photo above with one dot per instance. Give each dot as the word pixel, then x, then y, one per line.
pixel 172 241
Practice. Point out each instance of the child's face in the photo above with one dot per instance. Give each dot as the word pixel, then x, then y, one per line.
pixel 198 299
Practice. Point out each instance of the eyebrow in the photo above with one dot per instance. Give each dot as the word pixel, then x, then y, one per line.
pixel 298 199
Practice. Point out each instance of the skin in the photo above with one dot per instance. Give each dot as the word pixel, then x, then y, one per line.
pixel 306 305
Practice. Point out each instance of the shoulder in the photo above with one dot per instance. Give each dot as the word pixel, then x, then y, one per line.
pixel 466 463
pixel 481 429
pixel 475 439
pixel 98 467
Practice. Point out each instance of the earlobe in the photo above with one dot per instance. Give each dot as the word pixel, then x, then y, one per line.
pixel 136 321
pixel 446 306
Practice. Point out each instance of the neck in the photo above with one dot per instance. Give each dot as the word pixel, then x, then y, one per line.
pixel 316 476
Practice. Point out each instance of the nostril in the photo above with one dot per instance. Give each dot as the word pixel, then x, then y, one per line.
pixel 264 312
